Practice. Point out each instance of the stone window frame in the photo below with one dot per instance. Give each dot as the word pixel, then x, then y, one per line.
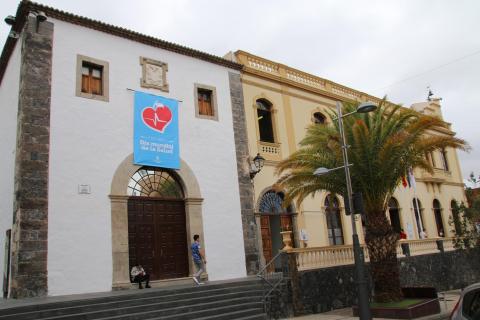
pixel 196 87
pixel 144 84
pixel 105 78
pixel 273 114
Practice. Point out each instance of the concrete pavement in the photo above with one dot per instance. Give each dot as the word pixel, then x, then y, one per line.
pixel 447 303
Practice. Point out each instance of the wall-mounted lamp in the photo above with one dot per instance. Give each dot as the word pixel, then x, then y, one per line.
pixel 256 165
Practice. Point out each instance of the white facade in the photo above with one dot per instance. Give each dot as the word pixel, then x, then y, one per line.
pixel 8 123
pixel 89 139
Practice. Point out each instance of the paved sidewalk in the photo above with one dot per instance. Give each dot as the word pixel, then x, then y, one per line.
pixel 447 302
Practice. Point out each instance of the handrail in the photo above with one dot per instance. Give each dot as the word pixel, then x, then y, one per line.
pixel 272 282
pixel 268 264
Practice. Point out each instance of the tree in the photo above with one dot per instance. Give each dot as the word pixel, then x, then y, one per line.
pixel 384 145
pixel 466 218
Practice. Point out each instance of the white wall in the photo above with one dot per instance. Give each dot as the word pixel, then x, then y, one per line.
pixel 8 137
pixel 90 138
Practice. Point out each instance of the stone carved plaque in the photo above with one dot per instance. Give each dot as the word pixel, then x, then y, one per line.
pixel 154 74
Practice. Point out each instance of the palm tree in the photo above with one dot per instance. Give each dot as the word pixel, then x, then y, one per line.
pixel 384 145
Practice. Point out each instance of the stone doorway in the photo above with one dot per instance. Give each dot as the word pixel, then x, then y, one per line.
pixel 185 190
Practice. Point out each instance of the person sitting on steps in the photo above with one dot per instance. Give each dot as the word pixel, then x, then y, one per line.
pixel 139 275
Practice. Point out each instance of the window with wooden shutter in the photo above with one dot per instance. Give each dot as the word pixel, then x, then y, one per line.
pixel 92 78
pixel 205 102
pixel 205 107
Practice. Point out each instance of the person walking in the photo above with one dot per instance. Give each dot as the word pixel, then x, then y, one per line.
pixel 198 255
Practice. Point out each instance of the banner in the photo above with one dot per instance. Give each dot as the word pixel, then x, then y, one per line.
pixel 155 131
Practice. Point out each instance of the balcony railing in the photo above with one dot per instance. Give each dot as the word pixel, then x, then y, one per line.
pixel 323 257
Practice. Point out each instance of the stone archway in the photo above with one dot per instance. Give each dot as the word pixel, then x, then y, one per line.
pixel 119 215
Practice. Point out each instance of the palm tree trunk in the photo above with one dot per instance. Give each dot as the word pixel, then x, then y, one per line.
pixel 382 241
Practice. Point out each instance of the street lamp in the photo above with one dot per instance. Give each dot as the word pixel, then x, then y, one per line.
pixel 363 303
pixel 256 165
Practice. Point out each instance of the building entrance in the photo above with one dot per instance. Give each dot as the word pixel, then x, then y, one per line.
pixel 274 219
pixel 157 237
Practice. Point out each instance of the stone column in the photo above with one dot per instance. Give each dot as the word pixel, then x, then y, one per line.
pixel 245 185
pixel 120 272
pixel 30 221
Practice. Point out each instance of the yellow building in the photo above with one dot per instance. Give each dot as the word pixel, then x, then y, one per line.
pixel 280 103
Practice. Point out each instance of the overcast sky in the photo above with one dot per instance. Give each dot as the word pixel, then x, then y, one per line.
pixel 394 48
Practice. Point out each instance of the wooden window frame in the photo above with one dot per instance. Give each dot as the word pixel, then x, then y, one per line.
pixel 103 65
pixel 199 87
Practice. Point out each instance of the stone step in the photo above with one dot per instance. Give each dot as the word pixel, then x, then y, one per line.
pixel 131 298
pixel 248 314
pixel 222 313
pixel 149 303
pixel 155 310
pixel 220 300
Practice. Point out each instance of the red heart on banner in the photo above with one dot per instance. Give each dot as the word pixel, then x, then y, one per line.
pixel 158 117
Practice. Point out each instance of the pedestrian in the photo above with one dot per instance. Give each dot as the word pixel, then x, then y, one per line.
pixel 403 235
pixel 139 275
pixel 198 255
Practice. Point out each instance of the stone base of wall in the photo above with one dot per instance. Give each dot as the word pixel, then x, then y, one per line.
pixel 326 289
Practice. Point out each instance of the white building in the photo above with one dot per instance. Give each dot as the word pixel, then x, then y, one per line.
pixel 67 143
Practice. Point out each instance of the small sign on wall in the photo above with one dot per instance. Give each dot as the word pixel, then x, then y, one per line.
pixel 84 189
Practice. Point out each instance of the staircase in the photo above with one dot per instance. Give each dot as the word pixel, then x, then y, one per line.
pixel 240 300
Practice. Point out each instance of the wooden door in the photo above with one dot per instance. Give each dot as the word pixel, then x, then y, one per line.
pixel 157 237
pixel 286 222
pixel 171 241
pixel 266 238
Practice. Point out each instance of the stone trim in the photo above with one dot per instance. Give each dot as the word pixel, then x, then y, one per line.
pixel 30 221
pixel 214 101
pixel 105 82
pixel 244 182
pixel 145 83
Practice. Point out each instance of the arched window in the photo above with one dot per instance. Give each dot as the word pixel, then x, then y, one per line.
pixel 443 153
pixel 272 202
pixel 319 118
pixel 456 216
pixel 334 221
pixel 154 182
pixel 418 215
pixel 394 214
pixel 437 211
pixel 265 124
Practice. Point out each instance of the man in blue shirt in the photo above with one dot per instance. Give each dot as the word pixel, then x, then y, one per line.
pixel 198 258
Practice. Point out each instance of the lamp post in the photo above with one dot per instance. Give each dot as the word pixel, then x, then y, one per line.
pixel 362 288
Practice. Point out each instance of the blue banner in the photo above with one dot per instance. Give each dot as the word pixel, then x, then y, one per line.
pixel 155 131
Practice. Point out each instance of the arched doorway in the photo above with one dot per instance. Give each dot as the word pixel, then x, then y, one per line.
pixel 157 237
pixel 119 196
pixel 274 218
pixel 437 211
pixel 334 221
pixel 394 213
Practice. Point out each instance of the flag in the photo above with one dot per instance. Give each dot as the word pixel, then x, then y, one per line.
pixel 411 178
pixel 404 181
